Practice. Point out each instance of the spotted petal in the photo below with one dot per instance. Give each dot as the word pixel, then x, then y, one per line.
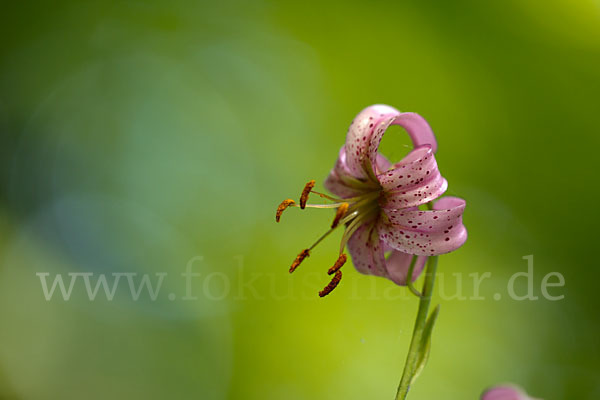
pixel 367 129
pixel 505 393
pixel 425 233
pixel 398 264
pixel 367 252
pixel 413 181
pixel 342 183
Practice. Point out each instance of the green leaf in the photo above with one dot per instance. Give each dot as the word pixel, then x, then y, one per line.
pixel 425 345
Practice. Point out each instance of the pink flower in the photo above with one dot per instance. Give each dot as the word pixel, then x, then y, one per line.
pixel 505 392
pixel 378 203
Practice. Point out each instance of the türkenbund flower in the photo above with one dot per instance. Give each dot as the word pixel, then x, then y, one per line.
pixel 505 392
pixel 388 210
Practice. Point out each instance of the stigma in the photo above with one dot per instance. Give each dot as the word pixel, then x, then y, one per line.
pixel 350 213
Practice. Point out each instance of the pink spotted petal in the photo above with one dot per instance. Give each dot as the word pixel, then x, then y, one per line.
pixel 505 393
pixel 368 257
pixel 425 233
pixel 367 251
pixel 340 181
pixel 413 181
pixel 367 129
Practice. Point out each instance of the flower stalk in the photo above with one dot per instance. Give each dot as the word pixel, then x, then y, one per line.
pixel 419 344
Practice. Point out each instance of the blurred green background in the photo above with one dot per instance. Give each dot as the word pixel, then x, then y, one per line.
pixel 142 137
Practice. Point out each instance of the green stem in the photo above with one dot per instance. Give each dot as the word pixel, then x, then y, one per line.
pixel 415 343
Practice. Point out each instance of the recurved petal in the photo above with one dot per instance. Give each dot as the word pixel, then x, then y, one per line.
pixel 367 129
pixel 398 264
pixel 417 128
pixel 367 250
pixel 368 256
pixel 340 180
pixel 425 233
pixel 413 181
pixel 505 392
pixel 450 203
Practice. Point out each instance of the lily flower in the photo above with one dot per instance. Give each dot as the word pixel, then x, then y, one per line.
pixel 387 210
pixel 505 392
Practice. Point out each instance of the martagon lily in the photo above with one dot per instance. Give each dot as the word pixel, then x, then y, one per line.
pixel 391 219
pixel 505 392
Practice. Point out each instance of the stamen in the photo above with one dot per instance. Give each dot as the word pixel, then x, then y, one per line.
pixel 358 202
pixel 326 196
pixel 323 236
pixel 303 254
pixel 341 211
pixel 332 285
pixel 338 264
pixel 332 205
pixel 305 192
pixel 284 204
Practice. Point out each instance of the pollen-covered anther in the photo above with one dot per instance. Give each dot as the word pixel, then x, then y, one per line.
pixel 284 204
pixel 305 192
pixel 341 211
pixel 332 285
pixel 303 254
pixel 338 264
